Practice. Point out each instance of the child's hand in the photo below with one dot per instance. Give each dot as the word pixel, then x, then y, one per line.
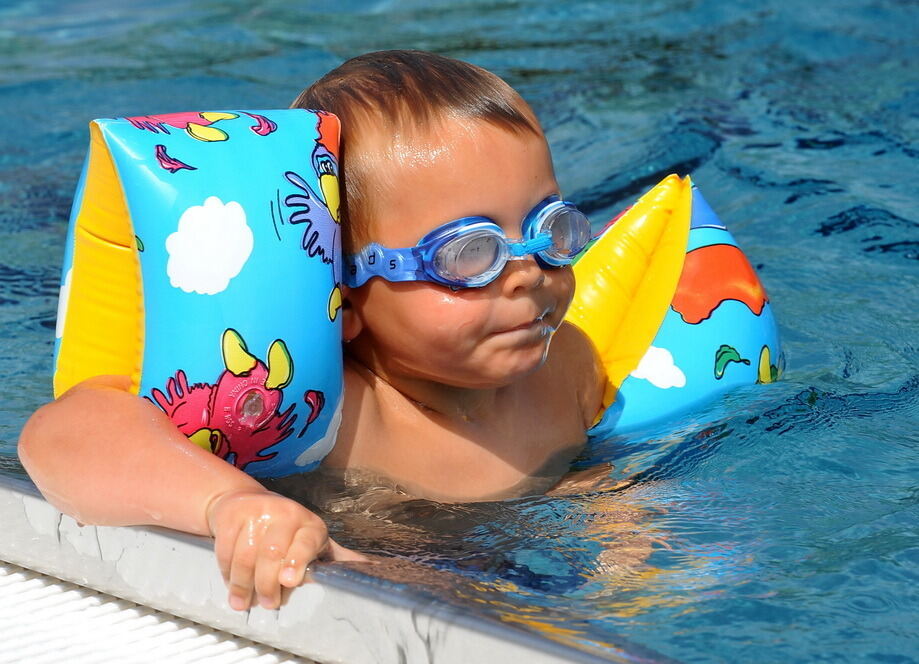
pixel 265 541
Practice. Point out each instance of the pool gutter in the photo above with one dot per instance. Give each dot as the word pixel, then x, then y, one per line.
pixel 345 616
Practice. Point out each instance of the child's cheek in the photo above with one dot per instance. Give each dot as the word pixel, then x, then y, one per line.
pixel 455 317
pixel 430 309
pixel 565 287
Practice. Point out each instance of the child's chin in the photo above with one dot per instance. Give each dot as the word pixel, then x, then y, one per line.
pixel 522 365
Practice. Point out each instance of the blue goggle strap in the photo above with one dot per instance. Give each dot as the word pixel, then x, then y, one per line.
pixel 375 260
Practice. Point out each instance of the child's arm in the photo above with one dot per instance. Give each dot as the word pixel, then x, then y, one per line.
pixel 108 457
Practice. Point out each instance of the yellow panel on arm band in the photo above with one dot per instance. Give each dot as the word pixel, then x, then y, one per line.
pixel 103 315
pixel 627 279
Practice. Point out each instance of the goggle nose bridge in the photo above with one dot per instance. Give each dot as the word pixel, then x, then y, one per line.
pixel 521 248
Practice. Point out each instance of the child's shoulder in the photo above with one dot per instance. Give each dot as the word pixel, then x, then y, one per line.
pixel 573 363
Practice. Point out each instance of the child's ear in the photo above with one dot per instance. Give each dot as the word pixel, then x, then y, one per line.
pixel 351 323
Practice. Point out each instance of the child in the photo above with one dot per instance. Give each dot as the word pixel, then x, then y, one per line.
pixel 452 387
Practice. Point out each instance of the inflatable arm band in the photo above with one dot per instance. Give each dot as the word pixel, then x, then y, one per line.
pixel 674 309
pixel 203 261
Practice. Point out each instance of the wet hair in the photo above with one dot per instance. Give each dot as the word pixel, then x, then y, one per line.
pixel 404 92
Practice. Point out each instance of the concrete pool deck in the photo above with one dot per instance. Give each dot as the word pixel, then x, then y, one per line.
pixel 345 616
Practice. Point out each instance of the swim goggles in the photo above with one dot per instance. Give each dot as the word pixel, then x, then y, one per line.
pixel 471 252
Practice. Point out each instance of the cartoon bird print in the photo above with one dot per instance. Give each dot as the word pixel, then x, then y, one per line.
pixel 320 212
pixel 325 163
pixel 238 418
pixel 197 125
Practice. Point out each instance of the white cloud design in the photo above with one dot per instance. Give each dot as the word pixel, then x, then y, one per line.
pixel 657 367
pixel 62 301
pixel 210 247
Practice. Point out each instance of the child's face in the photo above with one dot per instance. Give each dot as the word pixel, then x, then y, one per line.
pixel 474 337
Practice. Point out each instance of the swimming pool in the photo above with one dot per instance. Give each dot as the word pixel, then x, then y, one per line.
pixel 782 521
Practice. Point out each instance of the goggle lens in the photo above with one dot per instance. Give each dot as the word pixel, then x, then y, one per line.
pixel 569 230
pixel 470 258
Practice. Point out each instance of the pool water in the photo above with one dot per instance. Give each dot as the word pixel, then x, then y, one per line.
pixel 781 523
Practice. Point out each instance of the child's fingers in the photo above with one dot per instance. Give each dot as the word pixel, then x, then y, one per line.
pixel 336 551
pixel 241 579
pixel 272 549
pixel 224 547
pixel 264 542
pixel 307 545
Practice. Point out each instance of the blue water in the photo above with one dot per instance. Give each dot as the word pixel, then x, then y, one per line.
pixel 780 524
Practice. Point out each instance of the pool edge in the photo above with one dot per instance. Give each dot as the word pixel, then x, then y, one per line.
pixel 347 617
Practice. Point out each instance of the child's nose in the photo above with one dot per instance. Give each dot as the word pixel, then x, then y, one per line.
pixel 522 273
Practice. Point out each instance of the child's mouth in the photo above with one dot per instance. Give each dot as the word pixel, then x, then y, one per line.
pixel 538 324
pixel 526 326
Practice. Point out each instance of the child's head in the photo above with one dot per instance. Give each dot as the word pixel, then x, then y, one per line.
pixel 427 140
pixel 389 102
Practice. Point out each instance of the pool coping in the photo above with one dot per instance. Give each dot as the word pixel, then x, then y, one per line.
pixel 348 616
